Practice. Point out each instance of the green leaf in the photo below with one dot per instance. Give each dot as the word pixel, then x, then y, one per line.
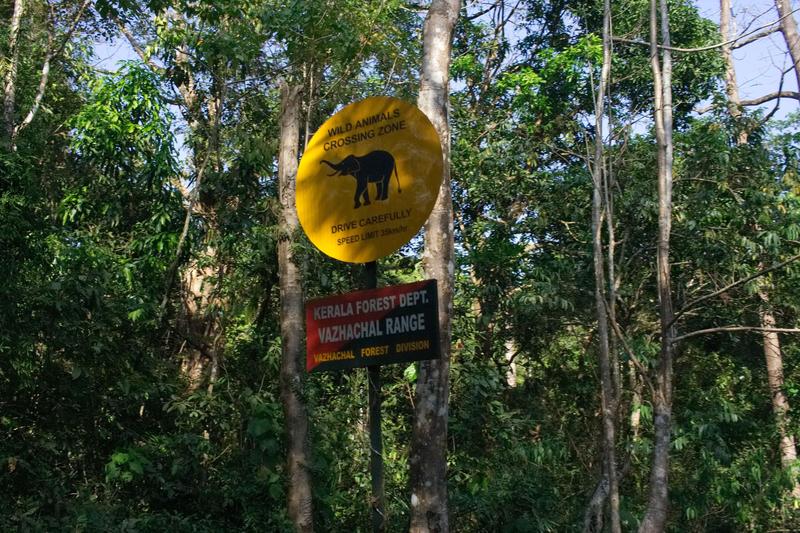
pixel 258 426
pixel 410 373
pixel 275 491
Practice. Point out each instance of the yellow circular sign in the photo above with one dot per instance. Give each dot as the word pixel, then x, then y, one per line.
pixel 368 179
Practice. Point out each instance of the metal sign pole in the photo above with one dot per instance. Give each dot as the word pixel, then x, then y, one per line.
pixel 376 450
pixel 378 503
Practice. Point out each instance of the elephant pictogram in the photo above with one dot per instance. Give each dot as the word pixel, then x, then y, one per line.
pixel 375 167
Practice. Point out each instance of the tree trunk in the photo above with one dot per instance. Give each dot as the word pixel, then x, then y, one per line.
pixel 790 35
pixel 201 316
pixel 291 291
pixel 511 372
pixel 10 82
pixel 658 502
pixel 772 343
pixel 202 280
pixel 428 458
pixel 606 381
pixel 780 405
pixel 636 402
pixel 731 86
pixel 51 51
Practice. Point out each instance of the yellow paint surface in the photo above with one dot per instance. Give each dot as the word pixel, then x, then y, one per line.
pixel 377 134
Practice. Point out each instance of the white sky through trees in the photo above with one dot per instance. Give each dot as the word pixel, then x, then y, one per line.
pixel 759 64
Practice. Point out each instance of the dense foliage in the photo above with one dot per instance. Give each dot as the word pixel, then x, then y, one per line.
pixel 139 311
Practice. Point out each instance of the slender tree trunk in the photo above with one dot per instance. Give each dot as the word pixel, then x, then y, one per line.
pixel 606 381
pixel 52 51
pixel 611 297
pixel 636 402
pixel 658 502
pixel 291 290
pixel 511 373
pixel 428 459
pixel 772 344
pixel 10 81
pixel 790 35
pixel 780 405
pixel 731 86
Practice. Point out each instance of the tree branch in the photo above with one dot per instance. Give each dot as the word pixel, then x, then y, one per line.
pixel 192 199
pixel 636 362
pixel 137 47
pixel 184 90
pixel 186 193
pixel 45 75
pixel 771 96
pixel 756 101
pixel 730 286
pixel 482 12
pixel 756 36
pixel 733 328
pixel 751 36
pixel 778 100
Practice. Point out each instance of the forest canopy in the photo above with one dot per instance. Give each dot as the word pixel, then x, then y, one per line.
pixel 616 243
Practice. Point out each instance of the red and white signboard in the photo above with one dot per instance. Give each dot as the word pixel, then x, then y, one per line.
pixel 373 327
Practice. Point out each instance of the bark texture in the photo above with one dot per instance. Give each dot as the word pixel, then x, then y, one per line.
pixel 291 291
pixel 511 373
pixel 201 318
pixel 658 501
pixel 594 519
pixel 10 81
pixel 428 459
pixel 780 404
pixel 772 344
pixel 790 35
pixel 731 85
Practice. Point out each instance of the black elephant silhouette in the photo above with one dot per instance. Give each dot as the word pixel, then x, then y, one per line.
pixel 375 167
